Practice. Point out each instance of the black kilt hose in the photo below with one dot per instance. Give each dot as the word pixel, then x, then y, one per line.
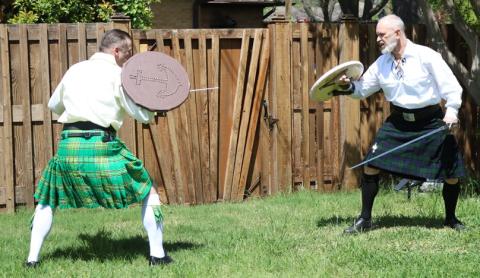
pixel 434 157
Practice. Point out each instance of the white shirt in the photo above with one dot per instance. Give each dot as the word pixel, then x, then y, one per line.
pixel 426 80
pixel 92 91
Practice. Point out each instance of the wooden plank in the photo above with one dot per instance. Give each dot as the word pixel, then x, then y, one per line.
pixel 283 108
pixel 265 143
pixel 8 158
pixel 213 113
pixel 82 42
pixel 193 123
pixel 319 112
pixel 151 163
pixel 237 106
pixel 312 109
pixel 99 32
pixel 173 118
pixel 24 90
pixel 138 128
pixel 372 108
pixel 334 120
pixel 272 106
pixel 159 40
pixel 46 89
pixel 305 105
pixel 297 140
pixel 183 138
pixel 63 49
pixel 163 149
pixel 255 112
pixel 202 116
pixel 349 47
pixel 245 117
pixel 229 65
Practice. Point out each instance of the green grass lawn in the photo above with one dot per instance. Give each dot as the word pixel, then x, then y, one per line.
pixel 292 235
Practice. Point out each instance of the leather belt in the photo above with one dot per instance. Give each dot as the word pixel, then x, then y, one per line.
pixel 86 126
pixel 87 130
pixel 415 115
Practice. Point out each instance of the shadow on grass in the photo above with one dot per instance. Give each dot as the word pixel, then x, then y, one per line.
pixel 387 221
pixel 102 247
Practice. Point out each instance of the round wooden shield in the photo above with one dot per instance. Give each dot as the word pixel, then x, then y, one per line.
pixel 322 89
pixel 155 81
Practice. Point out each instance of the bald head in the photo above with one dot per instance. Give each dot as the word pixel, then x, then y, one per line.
pixel 392 21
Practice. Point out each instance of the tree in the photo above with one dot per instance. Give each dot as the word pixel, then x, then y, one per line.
pixel 349 8
pixel 53 11
pixel 467 25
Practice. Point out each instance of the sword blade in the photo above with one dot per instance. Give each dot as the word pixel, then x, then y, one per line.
pixel 402 145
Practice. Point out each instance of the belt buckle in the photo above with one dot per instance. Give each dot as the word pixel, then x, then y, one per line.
pixel 409 117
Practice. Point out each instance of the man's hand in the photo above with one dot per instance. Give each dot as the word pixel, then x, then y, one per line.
pixel 343 80
pixel 344 86
pixel 452 122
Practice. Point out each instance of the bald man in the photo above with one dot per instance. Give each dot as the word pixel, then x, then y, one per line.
pixel 414 79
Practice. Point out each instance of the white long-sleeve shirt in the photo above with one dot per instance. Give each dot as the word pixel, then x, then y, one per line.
pixel 425 81
pixel 92 91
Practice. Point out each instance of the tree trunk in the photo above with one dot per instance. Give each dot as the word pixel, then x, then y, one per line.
pixel 408 10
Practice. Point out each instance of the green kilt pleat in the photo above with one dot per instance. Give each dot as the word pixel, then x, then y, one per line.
pixel 434 157
pixel 91 173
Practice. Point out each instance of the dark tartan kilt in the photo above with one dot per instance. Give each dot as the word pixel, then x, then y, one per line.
pixel 434 157
pixel 91 173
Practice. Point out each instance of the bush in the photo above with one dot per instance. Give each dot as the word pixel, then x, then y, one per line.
pixel 54 11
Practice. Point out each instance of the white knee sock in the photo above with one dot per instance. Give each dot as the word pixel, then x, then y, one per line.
pixel 42 223
pixel 154 229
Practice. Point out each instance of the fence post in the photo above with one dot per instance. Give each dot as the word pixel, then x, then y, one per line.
pixel 8 158
pixel 281 106
pixel 350 109
pixel 121 21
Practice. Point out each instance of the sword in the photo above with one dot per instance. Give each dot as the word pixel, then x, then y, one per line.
pixel 403 145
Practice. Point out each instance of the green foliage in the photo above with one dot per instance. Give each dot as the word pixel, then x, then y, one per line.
pixel 53 11
pixel 463 7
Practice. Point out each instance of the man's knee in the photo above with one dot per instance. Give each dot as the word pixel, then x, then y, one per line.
pixel 370 171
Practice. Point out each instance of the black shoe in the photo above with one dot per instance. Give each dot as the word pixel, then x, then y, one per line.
pixel 160 261
pixel 32 264
pixel 360 225
pixel 455 224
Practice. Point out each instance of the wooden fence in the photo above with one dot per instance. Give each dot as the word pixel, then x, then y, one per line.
pixel 256 132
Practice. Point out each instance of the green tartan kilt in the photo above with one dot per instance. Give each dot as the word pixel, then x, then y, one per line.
pixel 435 157
pixel 91 173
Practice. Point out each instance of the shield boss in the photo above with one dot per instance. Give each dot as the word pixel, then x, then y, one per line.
pixel 155 81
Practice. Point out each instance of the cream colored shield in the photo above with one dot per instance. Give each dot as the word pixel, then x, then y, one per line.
pixel 323 88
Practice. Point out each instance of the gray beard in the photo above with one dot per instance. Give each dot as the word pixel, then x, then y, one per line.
pixel 389 47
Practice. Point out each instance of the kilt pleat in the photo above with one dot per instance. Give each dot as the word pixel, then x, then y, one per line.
pixel 434 157
pixel 90 173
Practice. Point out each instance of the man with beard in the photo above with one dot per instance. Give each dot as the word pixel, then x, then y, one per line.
pixel 414 79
